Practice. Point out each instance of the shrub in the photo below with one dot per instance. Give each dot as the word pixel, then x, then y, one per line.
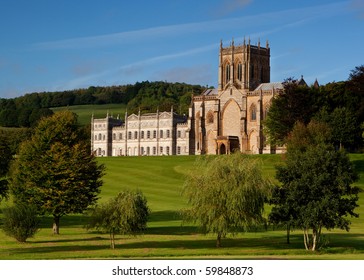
pixel 20 221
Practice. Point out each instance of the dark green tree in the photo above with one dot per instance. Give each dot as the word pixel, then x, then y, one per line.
pixel 226 194
pixel 5 158
pixel 316 189
pixel 20 221
pixel 55 170
pixel 295 104
pixel 127 213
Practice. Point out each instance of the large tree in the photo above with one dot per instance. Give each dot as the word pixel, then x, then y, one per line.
pixel 5 158
pixel 315 190
pixel 226 194
pixel 296 103
pixel 127 213
pixel 55 170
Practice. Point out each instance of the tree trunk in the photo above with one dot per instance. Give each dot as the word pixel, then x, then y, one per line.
pixel 56 224
pixel 306 238
pixel 112 240
pixel 218 240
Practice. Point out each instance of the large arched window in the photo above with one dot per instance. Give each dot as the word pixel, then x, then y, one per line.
pixel 210 118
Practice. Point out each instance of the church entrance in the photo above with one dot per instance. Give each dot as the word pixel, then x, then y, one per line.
pixel 227 144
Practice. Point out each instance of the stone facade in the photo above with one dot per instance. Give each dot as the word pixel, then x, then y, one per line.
pixel 220 120
pixel 155 134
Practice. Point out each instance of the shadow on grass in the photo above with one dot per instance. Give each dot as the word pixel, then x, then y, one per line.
pixel 164 216
pixel 339 244
pixel 65 221
pixel 359 165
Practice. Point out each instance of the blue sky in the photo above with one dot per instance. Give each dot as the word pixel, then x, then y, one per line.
pixel 50 45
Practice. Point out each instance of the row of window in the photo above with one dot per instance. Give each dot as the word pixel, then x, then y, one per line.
pixel 145 151
pixel 143 135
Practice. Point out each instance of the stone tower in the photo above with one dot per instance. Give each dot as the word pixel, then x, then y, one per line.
pixel 244 66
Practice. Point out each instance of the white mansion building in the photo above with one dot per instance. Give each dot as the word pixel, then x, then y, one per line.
pixel 219 121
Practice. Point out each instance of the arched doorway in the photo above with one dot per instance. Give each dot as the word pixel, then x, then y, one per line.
pixel 222 149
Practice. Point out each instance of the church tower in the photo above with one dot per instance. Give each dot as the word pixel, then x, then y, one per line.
pixel 243 66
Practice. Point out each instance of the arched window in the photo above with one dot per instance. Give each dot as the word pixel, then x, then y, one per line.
pixel 227 73
pixel 210 117
pixel 135 134
pixel 253 112
pixel 240 72
pixel 129 135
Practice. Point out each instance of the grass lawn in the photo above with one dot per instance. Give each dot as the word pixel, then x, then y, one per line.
pixel 85 112
pixel 161 180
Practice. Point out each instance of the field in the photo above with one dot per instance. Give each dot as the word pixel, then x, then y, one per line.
pixel 161 180
pixel 85 112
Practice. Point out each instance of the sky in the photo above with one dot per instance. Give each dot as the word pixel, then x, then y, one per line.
pixel 56 45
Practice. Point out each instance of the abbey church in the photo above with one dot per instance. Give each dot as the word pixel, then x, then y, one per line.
pixel 220 120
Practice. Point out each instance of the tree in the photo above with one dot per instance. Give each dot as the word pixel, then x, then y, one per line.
pixel 20 221
pixel 55 170
pixel 315 191
pixel 5 158
pixel 127 213
pixel 296 103
pixel 226 194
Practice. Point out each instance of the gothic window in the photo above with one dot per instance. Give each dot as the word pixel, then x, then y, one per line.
pixel 210 118
pixel 253 112
pixel 261 74
pixel 252 71
pixel 227 73
pixel 240 72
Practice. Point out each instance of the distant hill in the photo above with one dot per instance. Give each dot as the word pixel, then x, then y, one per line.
pixel 25 111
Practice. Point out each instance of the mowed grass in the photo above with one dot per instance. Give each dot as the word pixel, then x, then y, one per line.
pixel 85 112
pixel 161 180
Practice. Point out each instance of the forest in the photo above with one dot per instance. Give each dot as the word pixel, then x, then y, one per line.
pixel 26 110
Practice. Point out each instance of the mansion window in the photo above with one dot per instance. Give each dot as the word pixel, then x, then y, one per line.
pixel 148 134
pixel 154 134
pixel 114 136
pixel 120 136
pixel 167 150
pixel 179 134
pixel 129 135
pixel 161 134
pixel 154 150
pixel 136 135
pixel 148 151
pixel 168 133
pixel 142 135
pixel 161 150
pixel 178 150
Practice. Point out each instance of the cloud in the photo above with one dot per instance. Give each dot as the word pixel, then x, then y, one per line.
pixel 229 6
pixel 173 31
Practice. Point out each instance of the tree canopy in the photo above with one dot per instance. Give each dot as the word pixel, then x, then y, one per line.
pixel 315 190
pixel 226 194
pixel 127 213
pixel 55 170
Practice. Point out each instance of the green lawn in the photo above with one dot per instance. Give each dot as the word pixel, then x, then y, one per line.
pixel 161 180
pixel 85 112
